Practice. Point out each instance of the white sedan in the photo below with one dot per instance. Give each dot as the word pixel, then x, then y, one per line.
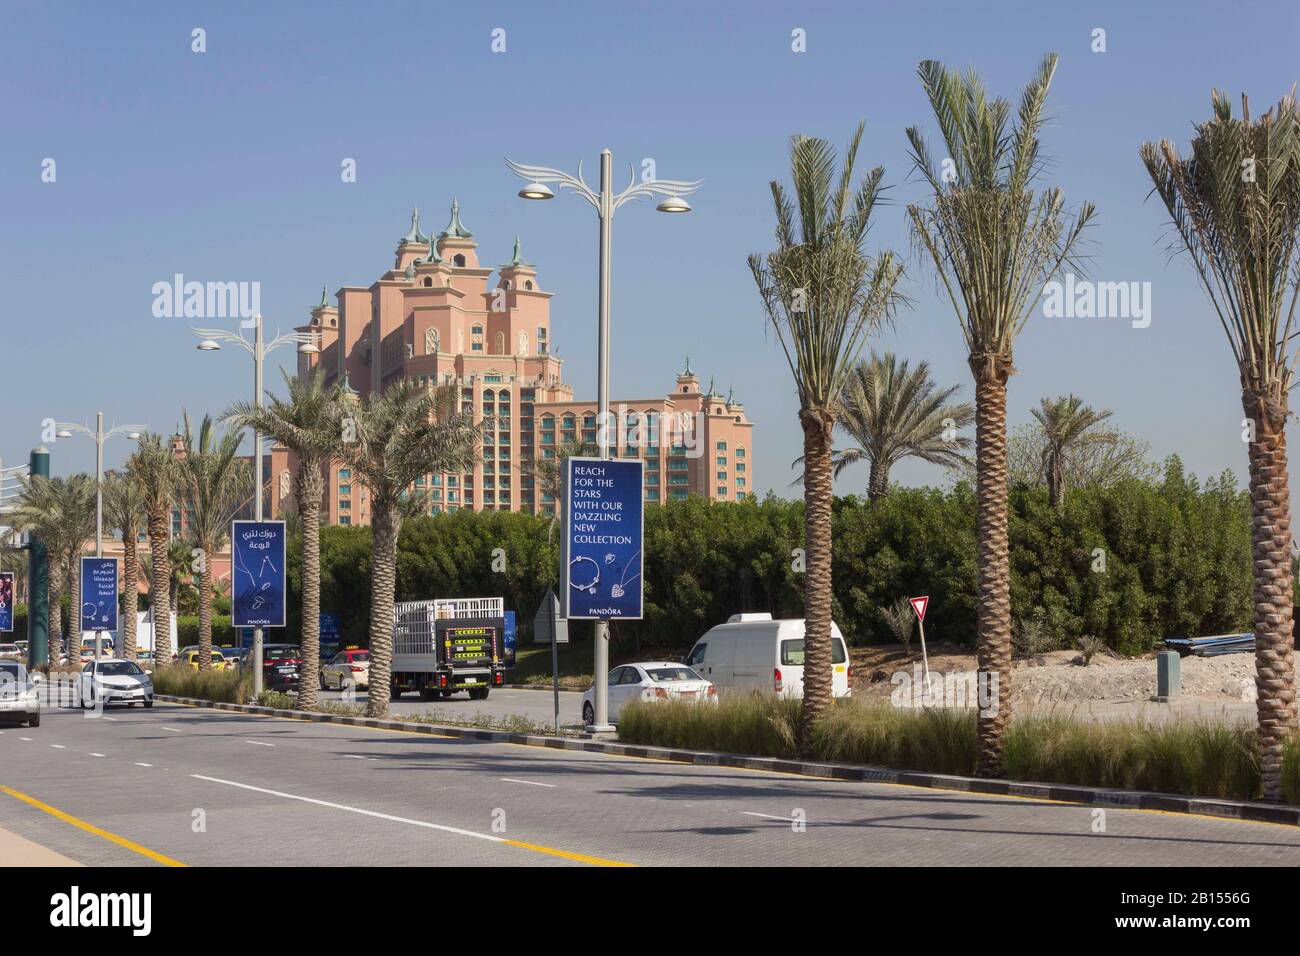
pixel 114 680
pixel 20 700
pixel 650 681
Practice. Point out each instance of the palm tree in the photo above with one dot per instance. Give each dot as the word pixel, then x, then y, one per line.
pixel 893 413
pixel 823 294
pixel 1069 429
pixel 215 482
pixel 1235 206
pixel 124 508
pixel 180 576
pixel 400 435
pixel 61 512
pixel 550 475
pixel 155 469
pixel 304 423
pixel 995 243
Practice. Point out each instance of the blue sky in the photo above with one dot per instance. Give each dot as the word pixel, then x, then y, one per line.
pixel 226 166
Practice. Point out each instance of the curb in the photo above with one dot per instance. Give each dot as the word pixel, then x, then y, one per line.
pixel 1284 814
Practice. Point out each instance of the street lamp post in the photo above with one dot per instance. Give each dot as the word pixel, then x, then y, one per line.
pixel 605 203
pixel 211 342
pixel 66 430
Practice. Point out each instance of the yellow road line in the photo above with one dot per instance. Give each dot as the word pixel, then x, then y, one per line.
pixel 565 854
pixel 90 828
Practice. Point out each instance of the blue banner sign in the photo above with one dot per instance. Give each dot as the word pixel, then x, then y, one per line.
pixel 99 594
pixel 604 518
pixel 257 572
pixel 6 601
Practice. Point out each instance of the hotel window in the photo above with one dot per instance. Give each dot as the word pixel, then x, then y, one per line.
pixel 476 347
pixel 722 492
pixel 419 482
pixel 345 505
pixel 740 482
pixel 436 481
pixel 652 477
pixel 740 466
pixel 678 480
pixel 452 481
pixel 453 496
pixel 740 451
pixel 527 394
pixel 722 459
pixel 345 520
pixel 435 510
pixel 722 446
pixel 722 476
pixel 467 394
pixel 677 464
pixel 459 260
pixel 345 473
pixel 493 379
pixel 680 495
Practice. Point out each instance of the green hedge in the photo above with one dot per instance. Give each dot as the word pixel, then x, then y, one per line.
pixel 1176 561
pixel 187 631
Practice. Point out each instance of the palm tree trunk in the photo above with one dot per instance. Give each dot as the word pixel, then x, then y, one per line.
pixel 878 485
pixel 310 491
pixel 160 587
pixel 1056 484
pixel 131 589
pixel 994 574
pixel 383 582
pixel 1270 511
pixel 74 602
pixel 55 590
pixel 205 610
pixel 817 445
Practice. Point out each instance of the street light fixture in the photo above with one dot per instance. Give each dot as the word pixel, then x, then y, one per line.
pixel 66 430
pixel 604 202
pixel 210 341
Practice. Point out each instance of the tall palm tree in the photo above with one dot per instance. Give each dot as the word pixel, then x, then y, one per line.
pixel 124 508
pixel 61 512
pixel 305 423
pixel 550 475
pixel 895 412
pixel 180 574
pixel 1069 429
pixel 995 242
pixel 1235 206
pixel 155 469
pixel 823 294
pixel 214 482
pixel 400 435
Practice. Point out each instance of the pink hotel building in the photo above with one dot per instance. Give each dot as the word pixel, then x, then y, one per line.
pixel 437 318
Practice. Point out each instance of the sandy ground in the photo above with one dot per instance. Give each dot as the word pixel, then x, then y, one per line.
pixel 1107 687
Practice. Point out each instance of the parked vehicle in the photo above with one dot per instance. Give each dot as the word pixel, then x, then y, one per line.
pixel 441 647
pixel 114 680
pixel 219 662
pixel 10 652
pixel 650 682
pixel 281 666
pixel 347 667
pixel 20 700
pixel 755 652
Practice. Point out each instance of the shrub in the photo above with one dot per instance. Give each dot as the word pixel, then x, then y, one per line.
pixel 231 687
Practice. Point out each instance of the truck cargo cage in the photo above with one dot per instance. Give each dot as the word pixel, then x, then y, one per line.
pixel 413 621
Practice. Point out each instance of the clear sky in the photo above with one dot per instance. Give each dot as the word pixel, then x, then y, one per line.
pixel 225 166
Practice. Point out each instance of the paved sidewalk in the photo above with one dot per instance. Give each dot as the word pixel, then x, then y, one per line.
pixel 19 851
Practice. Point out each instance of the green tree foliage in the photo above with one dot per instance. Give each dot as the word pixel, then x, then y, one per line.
pixel 1133 563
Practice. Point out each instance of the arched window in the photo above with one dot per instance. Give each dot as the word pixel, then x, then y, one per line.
pixel 501 343
pixel 477 330
pixel 529 285
pixel 428 282
pixel 505 284
pixel 459 260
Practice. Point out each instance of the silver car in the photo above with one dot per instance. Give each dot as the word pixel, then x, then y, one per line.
pixel 115 680
pixel 20 700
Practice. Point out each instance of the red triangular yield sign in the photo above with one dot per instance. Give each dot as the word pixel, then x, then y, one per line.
pixel 919 604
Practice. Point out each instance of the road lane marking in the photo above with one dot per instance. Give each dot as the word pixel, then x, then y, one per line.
pixel 24 738
pixel 96 755
pixel 91 828
pixel 58 746
pixel 175 730
pixel 491 838
pixel 106 717
pixel 767 816
pixel 138 764
pixel 531 783
pixel 357 756
pixel 258 743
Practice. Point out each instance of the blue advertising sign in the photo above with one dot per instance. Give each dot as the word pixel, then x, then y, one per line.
pixel 604 518
pixel 509 640
pixel 329 634
pixel 257 570
pixel 6 601
pixel 99 594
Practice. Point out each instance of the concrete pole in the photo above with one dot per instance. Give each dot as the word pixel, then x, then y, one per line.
pixel 606 211
pixel 258 354
pixel 38 580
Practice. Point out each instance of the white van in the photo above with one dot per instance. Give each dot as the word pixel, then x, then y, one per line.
pixel 754 652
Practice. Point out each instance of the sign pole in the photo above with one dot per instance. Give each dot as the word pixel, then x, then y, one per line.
pixel 919 605
pixel 555 678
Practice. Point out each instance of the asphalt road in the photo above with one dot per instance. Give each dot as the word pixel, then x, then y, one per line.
pixel 204 787
pixel 535 705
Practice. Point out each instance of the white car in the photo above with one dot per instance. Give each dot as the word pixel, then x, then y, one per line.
pixel 753 652
pixel 650 681
pixel 10 652
pixel 114 680
pixel 20 700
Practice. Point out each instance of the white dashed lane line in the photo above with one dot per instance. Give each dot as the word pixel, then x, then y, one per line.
pixel 358 756
pixel 531 783
pixel 258 743
pixel 138 764
pixel 767 816
pixel 96 755
pixel 175 730
pixel 58 746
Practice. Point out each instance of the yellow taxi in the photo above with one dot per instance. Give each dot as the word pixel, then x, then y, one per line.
pixel 219 662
